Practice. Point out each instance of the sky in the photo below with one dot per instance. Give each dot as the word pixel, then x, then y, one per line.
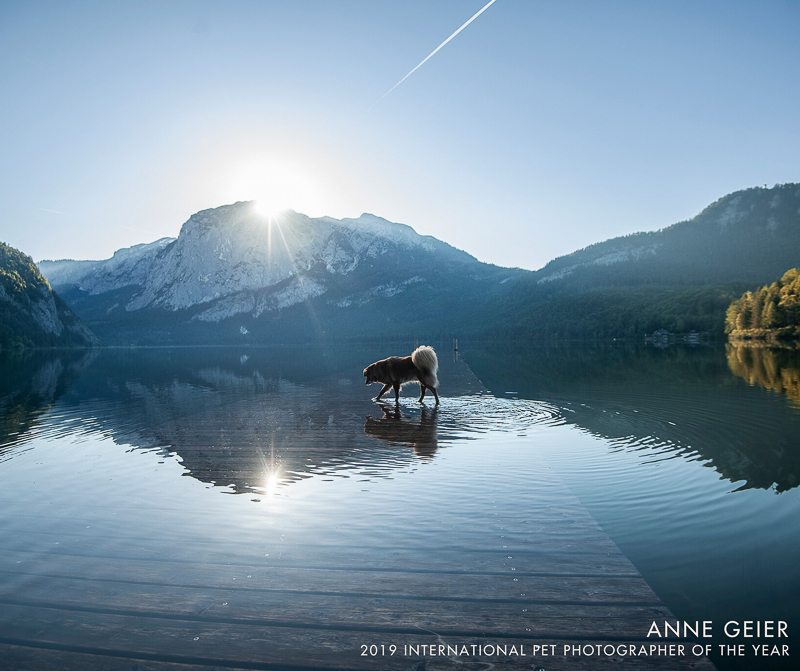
pixel 541 128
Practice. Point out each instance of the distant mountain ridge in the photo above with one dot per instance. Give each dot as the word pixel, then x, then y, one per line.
pixel 733 239
pixel 301 278
pixel 128 266
pixel 31 313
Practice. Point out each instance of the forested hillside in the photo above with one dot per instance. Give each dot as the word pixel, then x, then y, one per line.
pixel 681 278
pixel 31 313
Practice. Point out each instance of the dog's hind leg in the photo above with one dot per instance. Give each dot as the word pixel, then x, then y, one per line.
pixel 433 389
pixel 386 388
pixel 422 389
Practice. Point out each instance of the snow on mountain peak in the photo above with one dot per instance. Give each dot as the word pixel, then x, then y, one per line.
pixel 227 255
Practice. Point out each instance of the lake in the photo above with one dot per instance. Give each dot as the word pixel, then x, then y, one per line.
pixel 254 508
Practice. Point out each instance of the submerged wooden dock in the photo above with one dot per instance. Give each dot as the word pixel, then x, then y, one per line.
pixel 548 577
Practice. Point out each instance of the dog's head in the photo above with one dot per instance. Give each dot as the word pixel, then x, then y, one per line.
pixel 369 374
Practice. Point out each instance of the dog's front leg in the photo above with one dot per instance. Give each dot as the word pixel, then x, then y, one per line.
pixel 386 388
pixel 396 393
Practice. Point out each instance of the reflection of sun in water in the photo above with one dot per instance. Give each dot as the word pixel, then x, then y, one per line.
pixel 271 484
pixel 272 474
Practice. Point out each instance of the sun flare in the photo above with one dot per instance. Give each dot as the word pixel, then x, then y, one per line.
pixel 273 183
pixel 272 481
pixel 268 209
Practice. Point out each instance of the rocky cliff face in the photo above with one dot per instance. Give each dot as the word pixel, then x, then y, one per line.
pixel 232 262
pixel 127 267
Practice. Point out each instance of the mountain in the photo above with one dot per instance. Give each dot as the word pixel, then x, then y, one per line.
pixel 236 276
pixel 31 313
pixel 680 278
pixel 749 236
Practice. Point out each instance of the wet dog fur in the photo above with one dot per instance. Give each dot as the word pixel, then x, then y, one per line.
pixel 419 368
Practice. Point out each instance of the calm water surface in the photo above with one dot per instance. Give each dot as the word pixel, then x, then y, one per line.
pixel 689 458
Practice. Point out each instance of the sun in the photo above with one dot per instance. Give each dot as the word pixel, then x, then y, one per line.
pixel 273 184
pixel 268 209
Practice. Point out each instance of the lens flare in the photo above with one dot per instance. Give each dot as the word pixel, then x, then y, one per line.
pixel 268 209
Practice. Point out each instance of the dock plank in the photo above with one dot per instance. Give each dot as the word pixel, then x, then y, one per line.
pixel 262 647
pixel 523 617
pixel 450 560
pixel 447 586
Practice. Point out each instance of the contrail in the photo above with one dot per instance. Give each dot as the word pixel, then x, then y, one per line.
pixel 427 58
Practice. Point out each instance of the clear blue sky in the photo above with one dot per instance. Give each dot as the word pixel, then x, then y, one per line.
pixel 541 128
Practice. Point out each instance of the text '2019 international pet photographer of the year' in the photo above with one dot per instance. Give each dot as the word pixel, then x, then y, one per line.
pixel 732 629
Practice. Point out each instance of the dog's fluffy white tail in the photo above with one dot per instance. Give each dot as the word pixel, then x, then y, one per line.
pixel 425 360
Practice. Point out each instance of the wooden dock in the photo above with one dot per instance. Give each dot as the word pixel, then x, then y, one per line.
pixel 551 578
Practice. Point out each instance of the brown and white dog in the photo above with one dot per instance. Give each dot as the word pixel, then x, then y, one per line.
pixel 419 368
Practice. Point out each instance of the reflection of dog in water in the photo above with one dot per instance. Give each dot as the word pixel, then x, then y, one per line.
pixel 419 368
pixel 394 428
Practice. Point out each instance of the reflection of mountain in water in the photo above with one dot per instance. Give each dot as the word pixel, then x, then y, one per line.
pixel 774 369
pixel 242 419
pixel 680 401
pixel 239 418
pixel 30 382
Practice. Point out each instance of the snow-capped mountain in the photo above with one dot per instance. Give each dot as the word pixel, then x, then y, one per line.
pixel 127 267
pixel 231 262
